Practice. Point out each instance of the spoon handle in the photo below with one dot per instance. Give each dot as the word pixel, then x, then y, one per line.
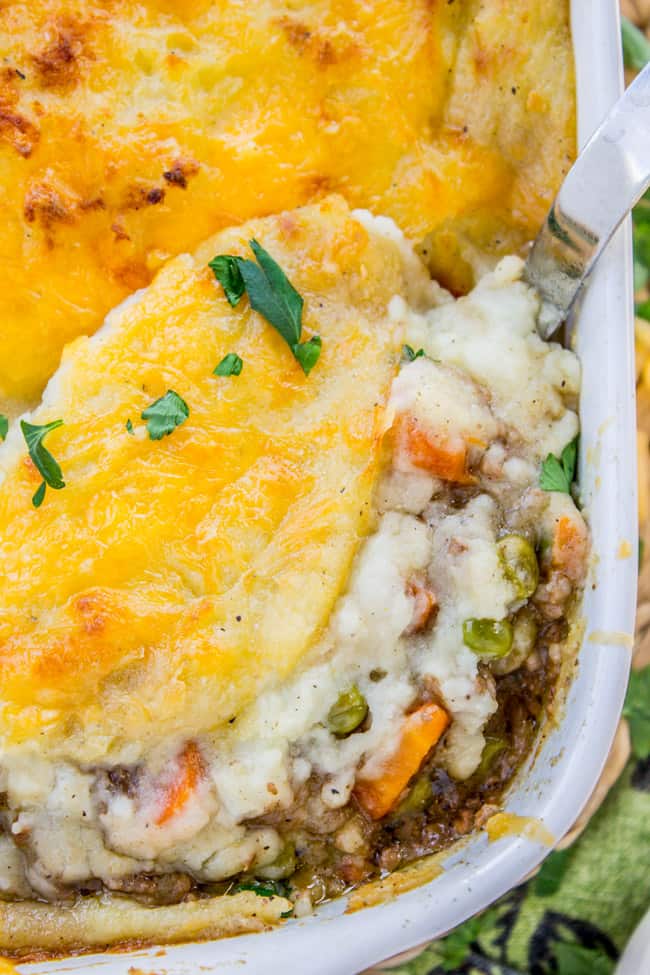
pixel 600 189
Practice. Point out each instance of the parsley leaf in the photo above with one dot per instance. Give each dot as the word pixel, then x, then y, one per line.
pixel 272 295
pixel 574 959
pixel 558 473
pixel 553 477
pixel 636 48
pixel 42 459
pixel 549 878
pixel 230 365
pixel 308 353
pixel 226 270
pixel 410 354
pixel 4 426
pixel 129 427
pixel 570 459
pixel 39 495
pixel 165 415
pixel 637 711
pixel 264 888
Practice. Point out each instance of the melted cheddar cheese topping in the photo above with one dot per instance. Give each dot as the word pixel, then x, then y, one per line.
pixel 131 131
pixel 171 581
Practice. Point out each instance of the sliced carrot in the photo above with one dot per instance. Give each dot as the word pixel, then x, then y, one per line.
pixel 181 788
pixel 425 603
pixel 570 544
pixel 421 730
pixel 444 457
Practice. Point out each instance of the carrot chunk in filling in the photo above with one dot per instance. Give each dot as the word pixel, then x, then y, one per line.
pixel 180 789
pixel 443 456
pixel 421 730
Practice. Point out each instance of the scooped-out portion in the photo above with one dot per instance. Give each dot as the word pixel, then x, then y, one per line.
pixel 298 612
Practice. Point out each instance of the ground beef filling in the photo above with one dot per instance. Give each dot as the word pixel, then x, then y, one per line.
pixel 341 849
pixel 331 851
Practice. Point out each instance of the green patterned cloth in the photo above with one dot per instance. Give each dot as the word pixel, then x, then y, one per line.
pixel 576 916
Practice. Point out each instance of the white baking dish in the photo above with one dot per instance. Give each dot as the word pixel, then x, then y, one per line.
pixel 564 773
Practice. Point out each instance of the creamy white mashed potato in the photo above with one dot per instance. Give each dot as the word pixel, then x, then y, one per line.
pixel 491 336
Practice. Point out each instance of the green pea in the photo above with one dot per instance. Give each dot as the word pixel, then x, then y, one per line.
pixel 524 637
pixel 492 747
pixel 348 713
pixel 283 865
pixel 519 564
pixel 488 638
pixel 416 799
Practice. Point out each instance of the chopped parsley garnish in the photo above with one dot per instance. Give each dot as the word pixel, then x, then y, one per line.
pixel 637 712
pixel 129 427
pixel 558 473
pixel 42 459
pixel 226 271
pixel 307 353
pixel 271 294
pixel 39 495
pixel 264 888
pixel 230 365
pixel 165 415
pixel 4 426
pixel 409 353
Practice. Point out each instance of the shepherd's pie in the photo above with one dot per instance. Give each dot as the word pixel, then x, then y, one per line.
pixel 291 550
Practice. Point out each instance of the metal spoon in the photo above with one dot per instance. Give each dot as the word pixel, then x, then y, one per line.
pixel 600 189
